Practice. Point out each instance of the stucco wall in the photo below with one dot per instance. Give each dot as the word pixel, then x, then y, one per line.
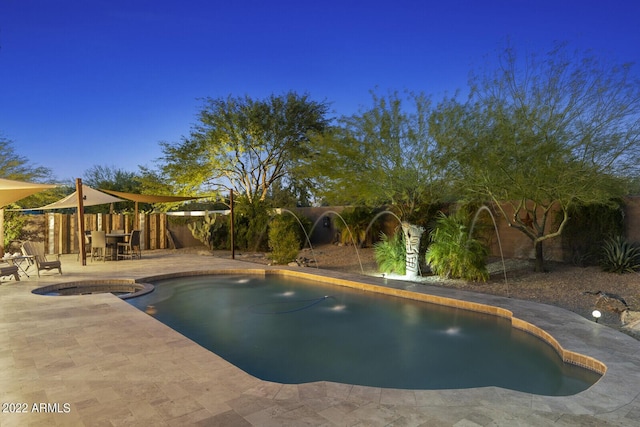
pixel 515 244
pixel 632 218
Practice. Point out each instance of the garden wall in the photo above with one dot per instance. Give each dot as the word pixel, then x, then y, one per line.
pixel 632 218
pixel 324 231
pixel 515 244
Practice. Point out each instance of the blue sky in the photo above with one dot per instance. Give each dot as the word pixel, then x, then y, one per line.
pixel 101 82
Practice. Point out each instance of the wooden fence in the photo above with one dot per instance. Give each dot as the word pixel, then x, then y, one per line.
pixel 61 230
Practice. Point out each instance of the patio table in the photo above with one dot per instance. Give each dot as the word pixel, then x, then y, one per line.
pixel 113 239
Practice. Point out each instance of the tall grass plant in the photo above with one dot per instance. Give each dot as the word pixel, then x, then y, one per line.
pixel 453 253
pixel 390 253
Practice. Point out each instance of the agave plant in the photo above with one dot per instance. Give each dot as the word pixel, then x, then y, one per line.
pixel 390 253
pixel 453 253
pixel 620 256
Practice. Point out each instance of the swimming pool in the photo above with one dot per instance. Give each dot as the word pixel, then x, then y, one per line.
pixel 296 331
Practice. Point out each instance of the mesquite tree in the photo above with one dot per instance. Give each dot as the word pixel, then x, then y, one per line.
pixel 244 144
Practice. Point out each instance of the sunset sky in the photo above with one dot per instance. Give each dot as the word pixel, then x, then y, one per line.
pixel 101 82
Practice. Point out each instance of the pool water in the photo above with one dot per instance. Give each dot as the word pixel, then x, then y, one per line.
pixel 296 331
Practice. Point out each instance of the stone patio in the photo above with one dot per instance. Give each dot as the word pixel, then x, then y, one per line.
pixel 94 360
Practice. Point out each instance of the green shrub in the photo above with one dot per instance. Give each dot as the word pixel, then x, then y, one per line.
pixel 284 239
pixel 14 223
pixel 620 256
pixel 357 220
pixel 390 253
pixel 250 225
pixel 583 237
pixel 221 238
pixel 453 253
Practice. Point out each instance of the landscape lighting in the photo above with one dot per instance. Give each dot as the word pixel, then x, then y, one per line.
pixel 596 315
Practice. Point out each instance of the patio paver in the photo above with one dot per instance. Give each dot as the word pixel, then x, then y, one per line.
pixel 95 360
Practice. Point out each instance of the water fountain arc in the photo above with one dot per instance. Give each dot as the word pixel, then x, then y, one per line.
pixel 495 226
pixel 355 245
pixel 306 235
pixel 378 215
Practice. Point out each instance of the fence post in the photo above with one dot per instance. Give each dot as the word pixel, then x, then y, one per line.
pixel 143 231
pixel 51 232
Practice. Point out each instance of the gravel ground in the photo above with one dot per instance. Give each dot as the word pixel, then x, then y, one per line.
pixel 563 285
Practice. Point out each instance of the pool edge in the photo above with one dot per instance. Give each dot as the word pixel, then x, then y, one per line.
pixel 568 356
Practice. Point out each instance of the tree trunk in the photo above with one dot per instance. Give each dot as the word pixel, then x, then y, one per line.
pixel 539 264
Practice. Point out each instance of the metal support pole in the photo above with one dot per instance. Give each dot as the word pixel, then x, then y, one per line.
pixel 233 243
pixel 81 243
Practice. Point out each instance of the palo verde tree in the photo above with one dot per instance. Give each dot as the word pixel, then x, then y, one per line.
pixel 381 156
pixel 543 134
pixel 244 144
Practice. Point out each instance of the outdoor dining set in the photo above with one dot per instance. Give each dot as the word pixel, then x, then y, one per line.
pixel 113 245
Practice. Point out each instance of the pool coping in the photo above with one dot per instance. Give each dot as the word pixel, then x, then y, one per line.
pixel 70 327
pixel 548 322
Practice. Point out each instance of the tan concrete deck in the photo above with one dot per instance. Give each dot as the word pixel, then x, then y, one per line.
pixel 96 360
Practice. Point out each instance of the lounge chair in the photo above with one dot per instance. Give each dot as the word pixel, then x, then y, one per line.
pixel 131 248
pixel 9 270
pixel 40 259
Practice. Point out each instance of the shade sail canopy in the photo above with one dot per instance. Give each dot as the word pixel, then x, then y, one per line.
pixel 149 198
pixel 12 191
pixel 90 197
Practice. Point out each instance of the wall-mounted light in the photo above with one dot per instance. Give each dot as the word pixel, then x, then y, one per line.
pixel 596 315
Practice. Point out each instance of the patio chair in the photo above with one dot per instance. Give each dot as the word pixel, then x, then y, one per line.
pixel 131 248
pixel 98 245
pixel 40 259
pixel 87 245
pixel 9 270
